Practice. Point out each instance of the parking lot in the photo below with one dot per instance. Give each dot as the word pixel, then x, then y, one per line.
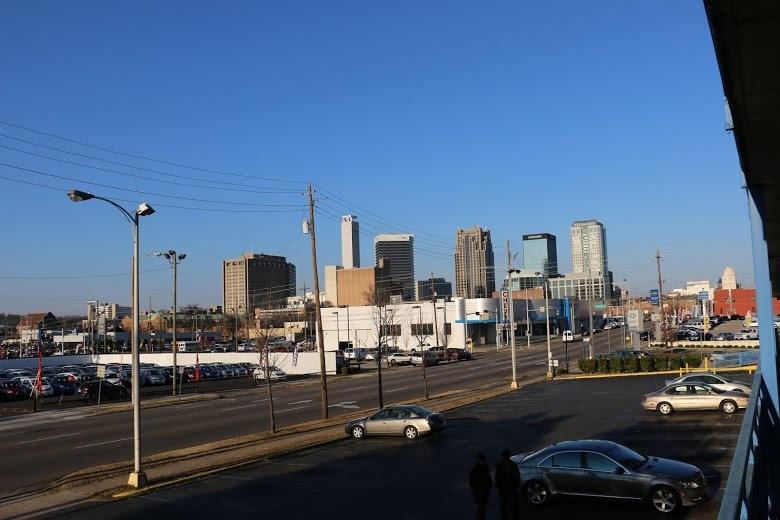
pixel 393 478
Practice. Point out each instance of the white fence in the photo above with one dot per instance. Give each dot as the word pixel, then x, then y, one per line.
pixel 306 362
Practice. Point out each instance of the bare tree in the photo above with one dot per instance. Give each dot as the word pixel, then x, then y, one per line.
pixel 384 322
pixel 419 333
pixel 263 327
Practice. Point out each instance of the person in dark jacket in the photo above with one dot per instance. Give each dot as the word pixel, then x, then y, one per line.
pixel 480 483
pixel 507 482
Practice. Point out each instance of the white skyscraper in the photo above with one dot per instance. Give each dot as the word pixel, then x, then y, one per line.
pixel 589 247
pixel 350 242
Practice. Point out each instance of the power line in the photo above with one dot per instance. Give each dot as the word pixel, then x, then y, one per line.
pixel 243 189
pixel 159 204
pixel 145 158
pixel 193 199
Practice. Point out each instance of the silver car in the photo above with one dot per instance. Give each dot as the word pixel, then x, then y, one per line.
pixel 713 380
pixel 605 469
pixel 411 421
pixel 679 397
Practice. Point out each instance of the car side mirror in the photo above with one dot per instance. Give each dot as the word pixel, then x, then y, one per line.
pixel 620 471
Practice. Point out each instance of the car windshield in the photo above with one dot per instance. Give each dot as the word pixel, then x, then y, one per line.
pixel 627 457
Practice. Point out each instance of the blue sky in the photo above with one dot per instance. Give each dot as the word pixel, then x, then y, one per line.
pixel 518 116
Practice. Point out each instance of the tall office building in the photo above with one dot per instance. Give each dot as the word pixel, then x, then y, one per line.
pixel 397 251
pixel 589 248
pixel 350 242
pixel 474 262
pixel 256 280
pixel 540 253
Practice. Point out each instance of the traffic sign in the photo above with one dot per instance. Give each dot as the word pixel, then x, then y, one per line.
pixel 101 371
pixel 600 306
pixel 704 296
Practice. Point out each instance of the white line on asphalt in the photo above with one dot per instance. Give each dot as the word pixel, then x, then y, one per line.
pixel 305 401
pixel 234 477
pixel 396 389
pixel 48 438
pixel 291 409
pixel 263 400
pixel 237 407
pixel 101 443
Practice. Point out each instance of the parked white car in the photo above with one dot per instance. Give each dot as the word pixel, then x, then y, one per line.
pixel 275 374
pixel 356 354
pixel 713 380
pixel 399 358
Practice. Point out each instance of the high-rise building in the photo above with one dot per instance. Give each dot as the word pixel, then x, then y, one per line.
pixel 540 253
pixel 397 251
pixel 350 242
pixel 589 248
pixel 256 280
pixel 438 286
pixel 729 279
pixel 474 262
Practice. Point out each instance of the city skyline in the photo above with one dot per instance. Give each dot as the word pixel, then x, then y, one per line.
pixel 359 119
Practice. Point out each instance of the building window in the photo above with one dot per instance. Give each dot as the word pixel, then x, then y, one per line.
pixel 448 329
pixel 422 329
pixel 391 330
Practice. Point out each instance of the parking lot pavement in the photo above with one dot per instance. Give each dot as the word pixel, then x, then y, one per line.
pixel 391 478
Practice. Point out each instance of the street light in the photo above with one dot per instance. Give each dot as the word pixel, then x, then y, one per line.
pixel 547 319
pixel 511 306
pixel 175 259
pixel 137 478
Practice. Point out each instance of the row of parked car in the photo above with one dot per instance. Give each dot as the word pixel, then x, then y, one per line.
pixel 393 356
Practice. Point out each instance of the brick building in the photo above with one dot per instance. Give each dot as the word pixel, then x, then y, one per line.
pixel 738 301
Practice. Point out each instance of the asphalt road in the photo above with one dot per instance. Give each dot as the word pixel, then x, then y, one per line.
pixel 37 451
pixel 391 478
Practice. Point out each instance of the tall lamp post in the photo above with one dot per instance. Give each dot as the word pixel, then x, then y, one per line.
pixel 137 478
pixel 422 350
pixel 175 259
pixel 547 319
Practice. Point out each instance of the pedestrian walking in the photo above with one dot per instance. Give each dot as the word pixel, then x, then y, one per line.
pixel 507 482
pixel 480 483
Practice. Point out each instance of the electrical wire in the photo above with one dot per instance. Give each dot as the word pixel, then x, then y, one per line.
pixel 145 158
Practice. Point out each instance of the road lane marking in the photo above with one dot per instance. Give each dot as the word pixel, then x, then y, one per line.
pixel 237 407
pixel 234 477
pixel 396 390
pixel 102 443
pixel 305 401
pixel 47 438
pixel 292 409
pixel 350 405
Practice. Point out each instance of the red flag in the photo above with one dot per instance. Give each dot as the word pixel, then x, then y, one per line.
pixel 197 368
pixel 39 375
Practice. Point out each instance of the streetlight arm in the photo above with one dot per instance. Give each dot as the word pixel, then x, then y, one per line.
pixel 129 216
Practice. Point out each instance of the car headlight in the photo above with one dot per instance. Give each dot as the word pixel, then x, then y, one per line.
pixel 689 484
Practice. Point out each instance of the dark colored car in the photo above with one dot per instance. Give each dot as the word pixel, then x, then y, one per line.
pixel 646 335
pixel 10 390
pixel 458 354
pixel 605 469
pixel 65 384
pixel 89 391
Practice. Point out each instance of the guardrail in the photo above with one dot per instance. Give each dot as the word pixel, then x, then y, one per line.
pixel 753 487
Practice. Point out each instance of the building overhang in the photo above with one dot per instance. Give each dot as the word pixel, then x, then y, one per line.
pixel 746 37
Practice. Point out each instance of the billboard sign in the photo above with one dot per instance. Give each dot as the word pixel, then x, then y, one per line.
pixel 654 298
pixel 704 296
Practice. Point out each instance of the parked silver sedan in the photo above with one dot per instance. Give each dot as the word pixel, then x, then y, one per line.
pixel 713 380
pixel 411 421
pixel 681 396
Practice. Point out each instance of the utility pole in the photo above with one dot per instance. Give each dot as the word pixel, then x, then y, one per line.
pixel 511 307
pixel 317 309
pixel 435 313
pixel 660 293
pixel 590 312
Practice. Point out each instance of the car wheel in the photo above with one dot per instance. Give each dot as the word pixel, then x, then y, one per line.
pixel 392 362
pixel 664 408
pixel 536 493
pixel 664 499
pixel 358 432
pixel 728 406
pixel 410 432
